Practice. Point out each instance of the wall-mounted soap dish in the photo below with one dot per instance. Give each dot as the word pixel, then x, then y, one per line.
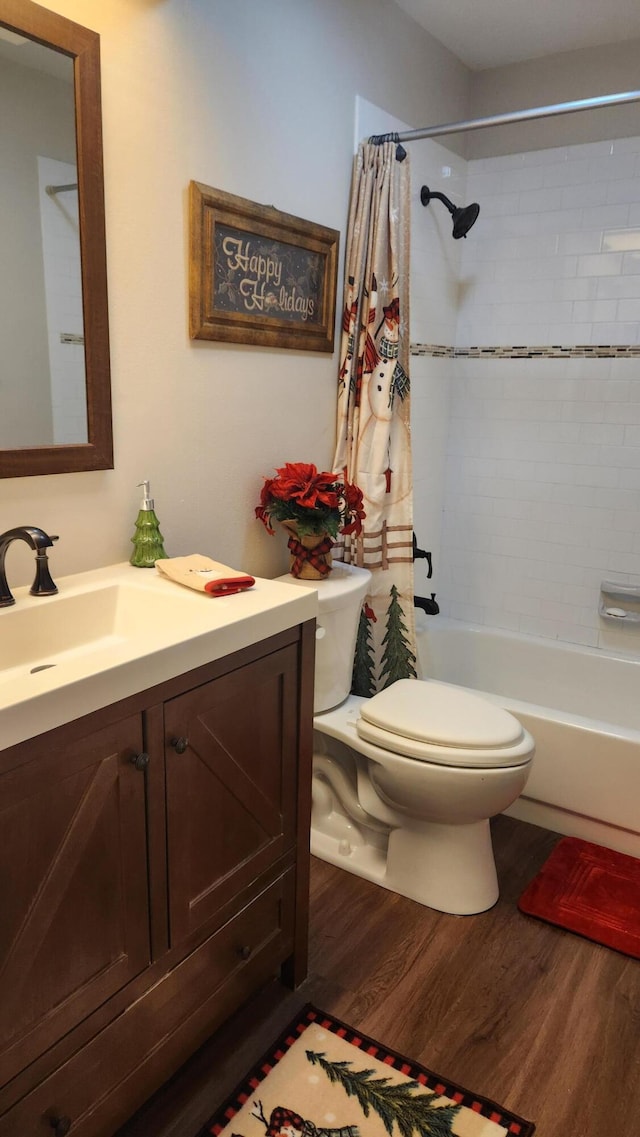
pixel 619 603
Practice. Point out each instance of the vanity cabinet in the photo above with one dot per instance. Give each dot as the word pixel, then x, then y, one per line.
pixel 75 923
pixel 231 787
pixel 153 874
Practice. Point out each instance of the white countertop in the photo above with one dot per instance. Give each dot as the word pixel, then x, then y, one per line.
pixel 115 631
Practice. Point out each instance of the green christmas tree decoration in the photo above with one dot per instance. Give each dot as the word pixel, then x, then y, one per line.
pixel 394 1103
pixel 147 540
pixel 398 660
pixel 363 679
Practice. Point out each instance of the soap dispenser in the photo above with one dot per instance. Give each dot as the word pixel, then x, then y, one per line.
pixel 147 539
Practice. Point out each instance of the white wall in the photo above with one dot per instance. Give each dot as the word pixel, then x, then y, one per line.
pixel 256 99
pixel 435 276
pixel 555 254
pixel 543 483
pixel 584 74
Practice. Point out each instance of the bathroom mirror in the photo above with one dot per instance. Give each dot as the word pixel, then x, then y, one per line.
pixel 55 389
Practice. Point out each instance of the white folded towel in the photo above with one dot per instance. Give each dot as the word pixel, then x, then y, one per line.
pixel 203 574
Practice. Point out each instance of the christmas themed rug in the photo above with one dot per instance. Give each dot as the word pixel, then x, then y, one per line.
pixel 323 1079
pixel 589 890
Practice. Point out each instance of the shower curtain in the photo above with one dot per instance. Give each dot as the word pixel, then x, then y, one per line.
pixel 373 436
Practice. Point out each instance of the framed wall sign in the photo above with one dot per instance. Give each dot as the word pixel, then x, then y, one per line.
pixel 259 276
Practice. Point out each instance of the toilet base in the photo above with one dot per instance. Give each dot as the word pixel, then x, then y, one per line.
pixel 366 861
pixel 446 867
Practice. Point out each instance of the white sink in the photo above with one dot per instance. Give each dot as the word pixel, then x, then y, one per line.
pixel 52 630
pixel 115 631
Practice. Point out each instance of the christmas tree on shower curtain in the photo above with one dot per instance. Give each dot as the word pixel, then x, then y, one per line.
pixel 374 440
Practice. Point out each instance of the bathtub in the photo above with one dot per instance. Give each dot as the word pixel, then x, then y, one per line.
pixel 581 705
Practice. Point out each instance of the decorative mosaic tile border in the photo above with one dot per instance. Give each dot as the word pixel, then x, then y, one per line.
pixel 432 349
pixel 575 351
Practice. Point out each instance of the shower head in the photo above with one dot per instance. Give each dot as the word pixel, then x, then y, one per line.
pixel 463 217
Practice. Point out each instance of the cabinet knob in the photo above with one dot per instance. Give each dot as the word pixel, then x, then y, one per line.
pixel 179 744
pixel 60 1125
pixel 140 761
pixel 244 952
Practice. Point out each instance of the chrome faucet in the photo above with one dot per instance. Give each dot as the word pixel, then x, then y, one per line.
pixel 38 540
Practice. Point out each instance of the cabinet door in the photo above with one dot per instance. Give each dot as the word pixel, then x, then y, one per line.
pixel 73 886
pixel 231 785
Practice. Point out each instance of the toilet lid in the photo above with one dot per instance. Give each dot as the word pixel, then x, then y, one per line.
pixel 440 714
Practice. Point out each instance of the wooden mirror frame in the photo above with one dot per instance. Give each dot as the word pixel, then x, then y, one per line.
pixel 83 46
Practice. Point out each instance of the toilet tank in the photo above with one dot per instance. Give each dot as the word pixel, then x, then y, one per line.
pixel 340 599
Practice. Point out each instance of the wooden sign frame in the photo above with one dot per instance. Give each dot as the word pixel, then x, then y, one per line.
pixel 259 276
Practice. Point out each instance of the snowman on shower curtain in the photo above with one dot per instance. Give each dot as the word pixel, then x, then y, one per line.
pixel 384 476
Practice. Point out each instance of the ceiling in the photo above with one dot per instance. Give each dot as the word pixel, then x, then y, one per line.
pixel 491 33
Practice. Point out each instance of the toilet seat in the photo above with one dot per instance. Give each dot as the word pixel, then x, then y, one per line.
pixel 443 724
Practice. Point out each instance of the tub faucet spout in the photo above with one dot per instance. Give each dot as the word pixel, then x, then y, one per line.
pixel 430 606
pixel 37 540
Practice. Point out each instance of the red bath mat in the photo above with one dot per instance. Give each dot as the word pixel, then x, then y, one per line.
pixel 589 890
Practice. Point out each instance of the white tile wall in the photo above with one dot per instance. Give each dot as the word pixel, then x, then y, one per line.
pixel 435 286
pixel 542 493
pixel 435 256
pixel 559 227
pixel 542 497
pixel 431 388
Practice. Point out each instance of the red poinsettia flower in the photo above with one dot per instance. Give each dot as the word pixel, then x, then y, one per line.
pixel 318 501
pixel 262 510
pixel 301 482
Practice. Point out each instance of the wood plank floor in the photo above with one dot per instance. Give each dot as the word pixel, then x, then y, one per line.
pixel 540 1020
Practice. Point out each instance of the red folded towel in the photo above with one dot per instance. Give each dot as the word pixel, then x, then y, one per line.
pixel 229 584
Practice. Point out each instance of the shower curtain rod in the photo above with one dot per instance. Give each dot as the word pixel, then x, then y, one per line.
pixel 520 116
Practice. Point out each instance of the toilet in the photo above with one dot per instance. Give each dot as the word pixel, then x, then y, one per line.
pixel 404 783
